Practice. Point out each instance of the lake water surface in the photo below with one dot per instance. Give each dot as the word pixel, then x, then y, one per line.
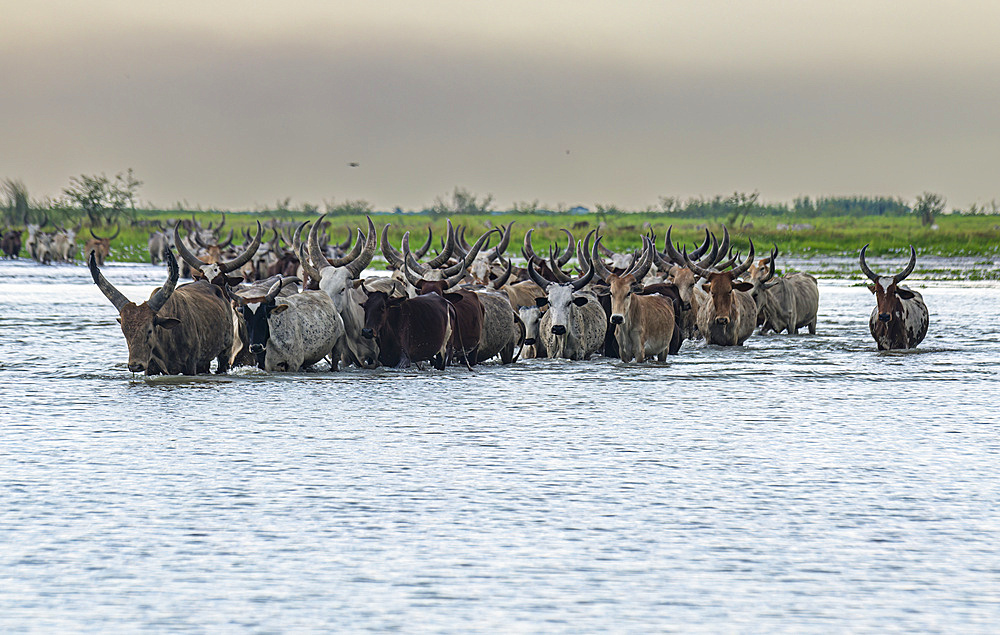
pixel 804 484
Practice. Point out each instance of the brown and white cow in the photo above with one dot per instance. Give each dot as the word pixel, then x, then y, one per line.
pixel 900 318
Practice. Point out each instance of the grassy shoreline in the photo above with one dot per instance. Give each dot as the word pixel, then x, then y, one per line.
pixel 952 235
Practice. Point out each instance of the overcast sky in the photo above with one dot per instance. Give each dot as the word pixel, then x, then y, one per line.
pixel 238 104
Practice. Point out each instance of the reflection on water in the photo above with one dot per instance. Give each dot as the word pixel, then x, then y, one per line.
pixel 802 483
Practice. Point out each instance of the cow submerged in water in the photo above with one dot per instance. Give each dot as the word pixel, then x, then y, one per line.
pixel 899 319
pixel 178 331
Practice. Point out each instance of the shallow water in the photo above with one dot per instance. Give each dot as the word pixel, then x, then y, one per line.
pixel 798 484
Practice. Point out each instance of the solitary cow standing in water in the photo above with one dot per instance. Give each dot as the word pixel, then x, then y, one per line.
pixel 900 318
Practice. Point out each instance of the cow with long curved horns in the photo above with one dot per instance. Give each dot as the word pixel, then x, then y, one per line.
pixel 900 318
pixel 178 331
pixel 215 269
pixel 573 327
pixel 729 316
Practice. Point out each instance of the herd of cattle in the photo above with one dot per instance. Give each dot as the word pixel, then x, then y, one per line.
pixel 54 246
pixel 288 303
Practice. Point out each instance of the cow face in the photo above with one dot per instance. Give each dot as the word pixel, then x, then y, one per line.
pixel 256 315
pixel 139 326
pixel 337 283
pixel 377 312
pixel 887 297
pixel 561 299
pixel 720 287
pixel 622 289
pixel 530 316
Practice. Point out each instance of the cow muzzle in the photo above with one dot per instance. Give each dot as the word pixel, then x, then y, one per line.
pixel 884 317
pixel 256 349
pixel 558 329
pixel 617 318
pixel 136 367
pixel 368 334
pixel 529 341
pixel 722 321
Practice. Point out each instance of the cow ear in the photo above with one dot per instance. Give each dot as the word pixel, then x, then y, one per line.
pixel 453 297
pixel 233 280
pixel 359 283
pixel 871 288
pixel 771 284
pixel 743 286
pixel 279 308
pixel 580 300
pixel 540 302
pixel 637 287
pixel 166 322
pixel 707 287
pixel 906 294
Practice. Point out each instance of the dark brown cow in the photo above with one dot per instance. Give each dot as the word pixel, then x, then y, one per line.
pixel 409 330
pixel 729 317
pixel 100 246
pixel 177 331
pixel 11 243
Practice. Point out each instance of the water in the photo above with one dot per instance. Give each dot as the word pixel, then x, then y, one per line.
pixel 804 484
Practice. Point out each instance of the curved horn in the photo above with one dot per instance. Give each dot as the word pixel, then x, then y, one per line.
pixel 701 251
pixel 583 257
pixel 724 246
pixel 771 264
pixel 392 256
pixel 358 265
pixel 671 252
pixel 420 253
pixel 347 243
pixel 91 232
pixel 528 252
pixel 315 253
pixel 228 240
pixel 411 262
pixel 739 271
pixel 864 265
pixel 118 230
pixel 411 277
pixel 349 258
pixel 297 237
pixel 471 256
pixel 504 243
pixel 452 281
pixel 899 277
pixel 504 277
pixel 703 273
pixel 307 264
pixel 221 224
pixel 461 247
pixel 600 269
pixel 273 292
pixel 556 271
pixel 641 268
pixel 584 280
pixel 563 259
pixel 607 252
pixel 537 277
pixel 185 253
pixel 243 258
pixel 108 289
pixel 163 293
pixel 446 252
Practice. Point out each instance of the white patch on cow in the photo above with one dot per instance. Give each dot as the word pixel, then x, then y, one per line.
pixel 253 306
pixel 884 283
pixel 211 271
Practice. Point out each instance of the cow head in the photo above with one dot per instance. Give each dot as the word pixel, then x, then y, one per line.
pixel 337 277
pixel 721 284
pixel 256 312
pixel 761 276
pixel 140 323
pixel 531 316
pixel 887 291
pixel 215 269
pixel 376 308
pixel 425 279
pixel 101 244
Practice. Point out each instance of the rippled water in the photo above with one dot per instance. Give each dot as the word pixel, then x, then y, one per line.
pixel 798 484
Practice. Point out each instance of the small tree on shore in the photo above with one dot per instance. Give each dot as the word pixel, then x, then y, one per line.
pixel 928 206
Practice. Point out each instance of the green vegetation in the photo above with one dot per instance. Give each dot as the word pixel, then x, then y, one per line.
pixel 821 226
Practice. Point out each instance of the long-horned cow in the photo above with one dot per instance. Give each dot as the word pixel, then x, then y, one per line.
pixel 784 303
pixel 900 317
pixel 573 327
pixel 178 331
pixel 729 316
pixel 409 330
pixel 644 324
pixel 101 245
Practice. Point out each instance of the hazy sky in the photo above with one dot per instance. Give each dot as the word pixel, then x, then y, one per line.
pixel 238 104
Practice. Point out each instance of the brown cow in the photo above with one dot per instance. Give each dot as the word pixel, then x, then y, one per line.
pixel 100 246
pixel 409 330
pixel 730 315
pixel 177 331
